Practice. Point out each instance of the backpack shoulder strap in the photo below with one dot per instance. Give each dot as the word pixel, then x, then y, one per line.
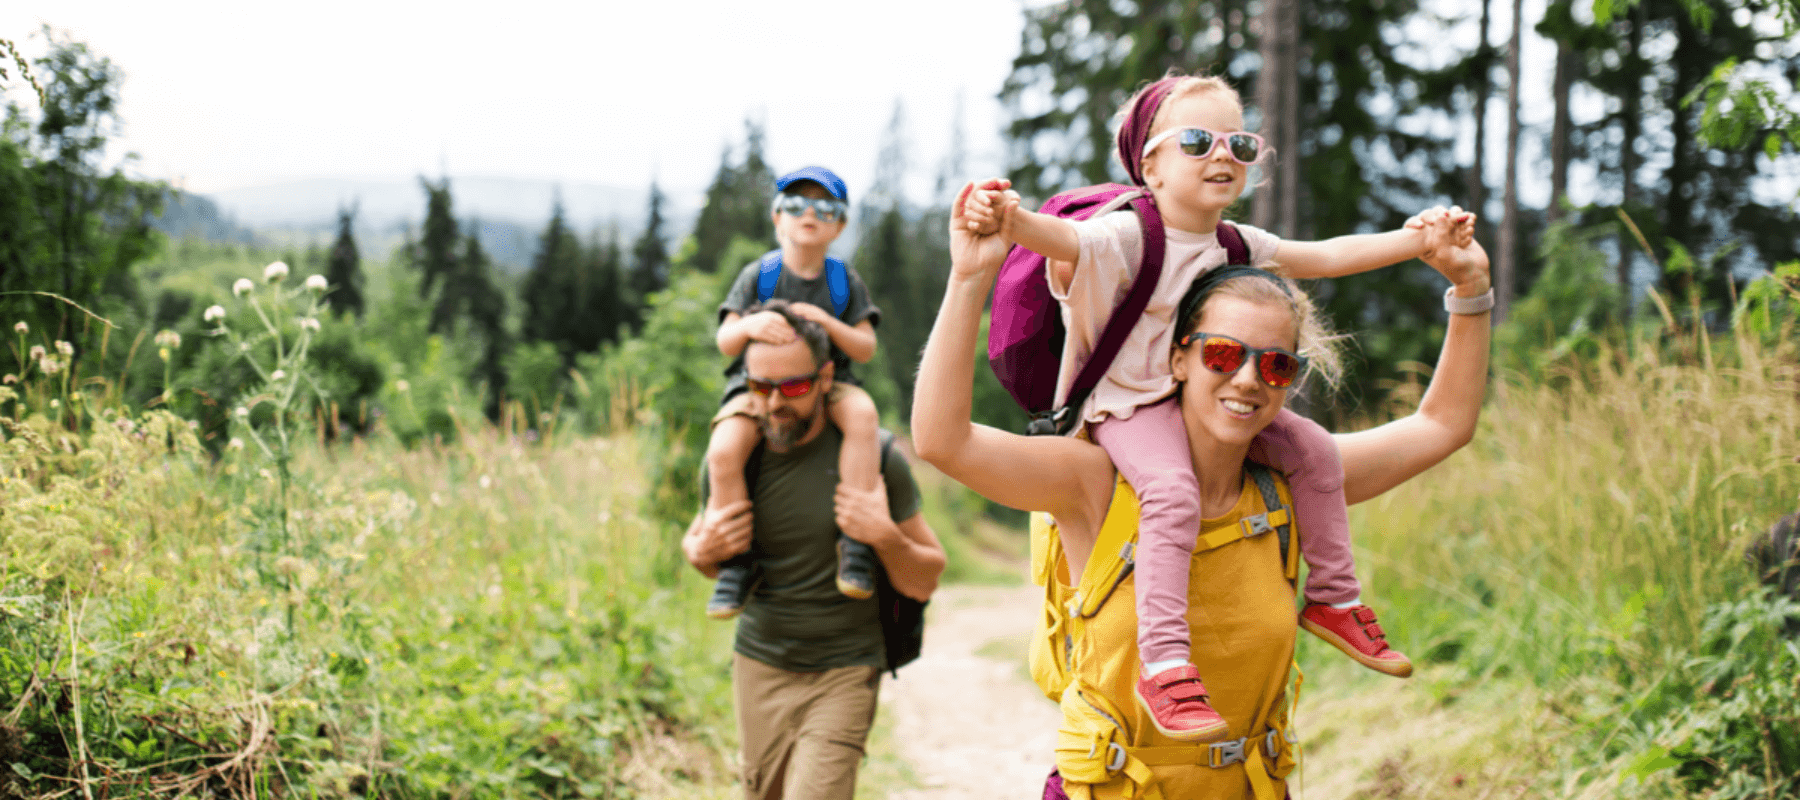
pixel 766 278
pixel 1271 497
pixel 1119 325
pixel 1236 252
pixel 837 280
pixel 753 468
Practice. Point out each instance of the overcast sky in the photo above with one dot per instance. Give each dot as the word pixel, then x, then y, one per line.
pixel 230 95
pixel 227 95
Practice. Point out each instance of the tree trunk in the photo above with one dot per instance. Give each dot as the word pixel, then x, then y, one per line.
pixel 1630 121
pixel 1483 87
pixel 1277 94
pixel 1507 269
pixel 1560 126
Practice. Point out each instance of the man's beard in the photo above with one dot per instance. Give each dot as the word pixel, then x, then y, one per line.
pixel 783 432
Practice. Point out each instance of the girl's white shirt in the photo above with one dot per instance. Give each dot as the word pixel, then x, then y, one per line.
pixel 1112 243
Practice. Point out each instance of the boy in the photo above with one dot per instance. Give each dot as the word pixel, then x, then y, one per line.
pixel 809 214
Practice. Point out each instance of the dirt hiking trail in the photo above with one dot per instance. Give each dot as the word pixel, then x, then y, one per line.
pixel 968 722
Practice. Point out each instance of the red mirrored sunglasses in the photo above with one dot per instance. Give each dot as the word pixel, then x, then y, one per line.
pixel 1222 354
pixel 792 387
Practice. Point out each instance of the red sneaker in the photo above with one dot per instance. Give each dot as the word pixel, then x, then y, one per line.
pixel 1176 700
pixel 1355 631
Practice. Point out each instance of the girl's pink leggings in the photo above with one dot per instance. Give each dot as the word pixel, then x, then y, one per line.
pixel 1151 450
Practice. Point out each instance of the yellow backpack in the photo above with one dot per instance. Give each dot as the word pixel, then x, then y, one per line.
pixel 1093 745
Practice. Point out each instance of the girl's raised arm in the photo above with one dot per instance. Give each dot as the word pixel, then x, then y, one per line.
pixel 1035 473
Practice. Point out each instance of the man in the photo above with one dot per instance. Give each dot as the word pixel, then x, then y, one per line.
pixel 808 658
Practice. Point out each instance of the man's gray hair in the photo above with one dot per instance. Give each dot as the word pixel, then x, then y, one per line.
pixel 817 340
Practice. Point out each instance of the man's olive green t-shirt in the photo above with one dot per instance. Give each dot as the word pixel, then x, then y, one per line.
pixel 797 619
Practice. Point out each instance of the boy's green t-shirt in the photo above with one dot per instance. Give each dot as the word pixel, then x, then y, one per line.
pixel 793 288
pixel 797 619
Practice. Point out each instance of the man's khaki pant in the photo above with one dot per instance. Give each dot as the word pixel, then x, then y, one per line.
pixel 802 732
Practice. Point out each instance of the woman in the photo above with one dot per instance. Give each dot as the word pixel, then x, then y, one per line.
pixel 1241 602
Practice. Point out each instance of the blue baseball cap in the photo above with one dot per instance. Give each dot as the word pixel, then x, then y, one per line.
pixel 818 175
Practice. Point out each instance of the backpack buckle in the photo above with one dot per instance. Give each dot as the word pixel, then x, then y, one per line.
pixel 1224 754
pixel 1256 525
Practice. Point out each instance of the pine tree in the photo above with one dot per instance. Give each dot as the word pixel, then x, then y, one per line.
pixel 737 204
pixel 550 303
pixel 485 307
pixel 649 261
pixel 344 267
pixel 435 256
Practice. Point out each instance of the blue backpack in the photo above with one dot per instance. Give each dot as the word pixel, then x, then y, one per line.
pixel 837 280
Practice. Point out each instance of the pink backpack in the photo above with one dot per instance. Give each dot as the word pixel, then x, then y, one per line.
pixel 1025 331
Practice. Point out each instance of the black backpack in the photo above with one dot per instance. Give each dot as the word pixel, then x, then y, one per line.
pixel 902 618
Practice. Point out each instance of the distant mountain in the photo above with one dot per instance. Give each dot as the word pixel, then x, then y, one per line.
pixel 192 215
pixel 511 212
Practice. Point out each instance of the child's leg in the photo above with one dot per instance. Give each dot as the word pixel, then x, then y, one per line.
pixel 859 466
pixel 1305 451
pixel 734 436
pixel 853 411
pixel 1334 610
pixel 1151 450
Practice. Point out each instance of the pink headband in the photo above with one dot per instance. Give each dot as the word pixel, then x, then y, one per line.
pixel 1134 130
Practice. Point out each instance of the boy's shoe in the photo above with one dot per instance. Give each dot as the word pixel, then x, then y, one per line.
pixel 732 589
pixel 1176 701
pixel 856 568
pixel 1355 631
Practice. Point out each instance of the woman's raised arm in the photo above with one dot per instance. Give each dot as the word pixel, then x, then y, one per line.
pixel 1035 473
pixel 1383 457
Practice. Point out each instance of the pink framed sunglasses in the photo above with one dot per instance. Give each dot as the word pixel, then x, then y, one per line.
pixel 1243 147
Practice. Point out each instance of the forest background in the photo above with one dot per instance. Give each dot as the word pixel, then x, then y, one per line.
pixel 407 529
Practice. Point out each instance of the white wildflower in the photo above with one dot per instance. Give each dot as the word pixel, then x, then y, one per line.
pixel 241 412
pixel 242 287
pixel 65 348
pixel 21 328
pixel 317 283
pixel 168 338
pixel 214 314
pixel 274 273
pixel 277 375
pixel 402 386
pixel 37 352
pixel 50 366
pixel 235 444
pixel 10 378
pixel 310 324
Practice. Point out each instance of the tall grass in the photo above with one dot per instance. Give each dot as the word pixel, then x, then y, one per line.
pixel 1601 508
pixel 491 618
pixel 1586 546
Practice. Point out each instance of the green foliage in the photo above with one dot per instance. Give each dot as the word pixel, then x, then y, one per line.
pixel 1726 723
pixel 737 206
pixel 345 267
pixel 1563 319
pixel 665 383
pixel 535 377
pixel 435 255
pixel 649 257
pixel 1770 304
pixel 453 621
pixel 68 224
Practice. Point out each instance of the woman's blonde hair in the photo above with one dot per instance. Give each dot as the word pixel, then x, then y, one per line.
pixel 1313 338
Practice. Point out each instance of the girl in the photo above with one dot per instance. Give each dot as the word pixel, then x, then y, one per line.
pixel 1181 139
